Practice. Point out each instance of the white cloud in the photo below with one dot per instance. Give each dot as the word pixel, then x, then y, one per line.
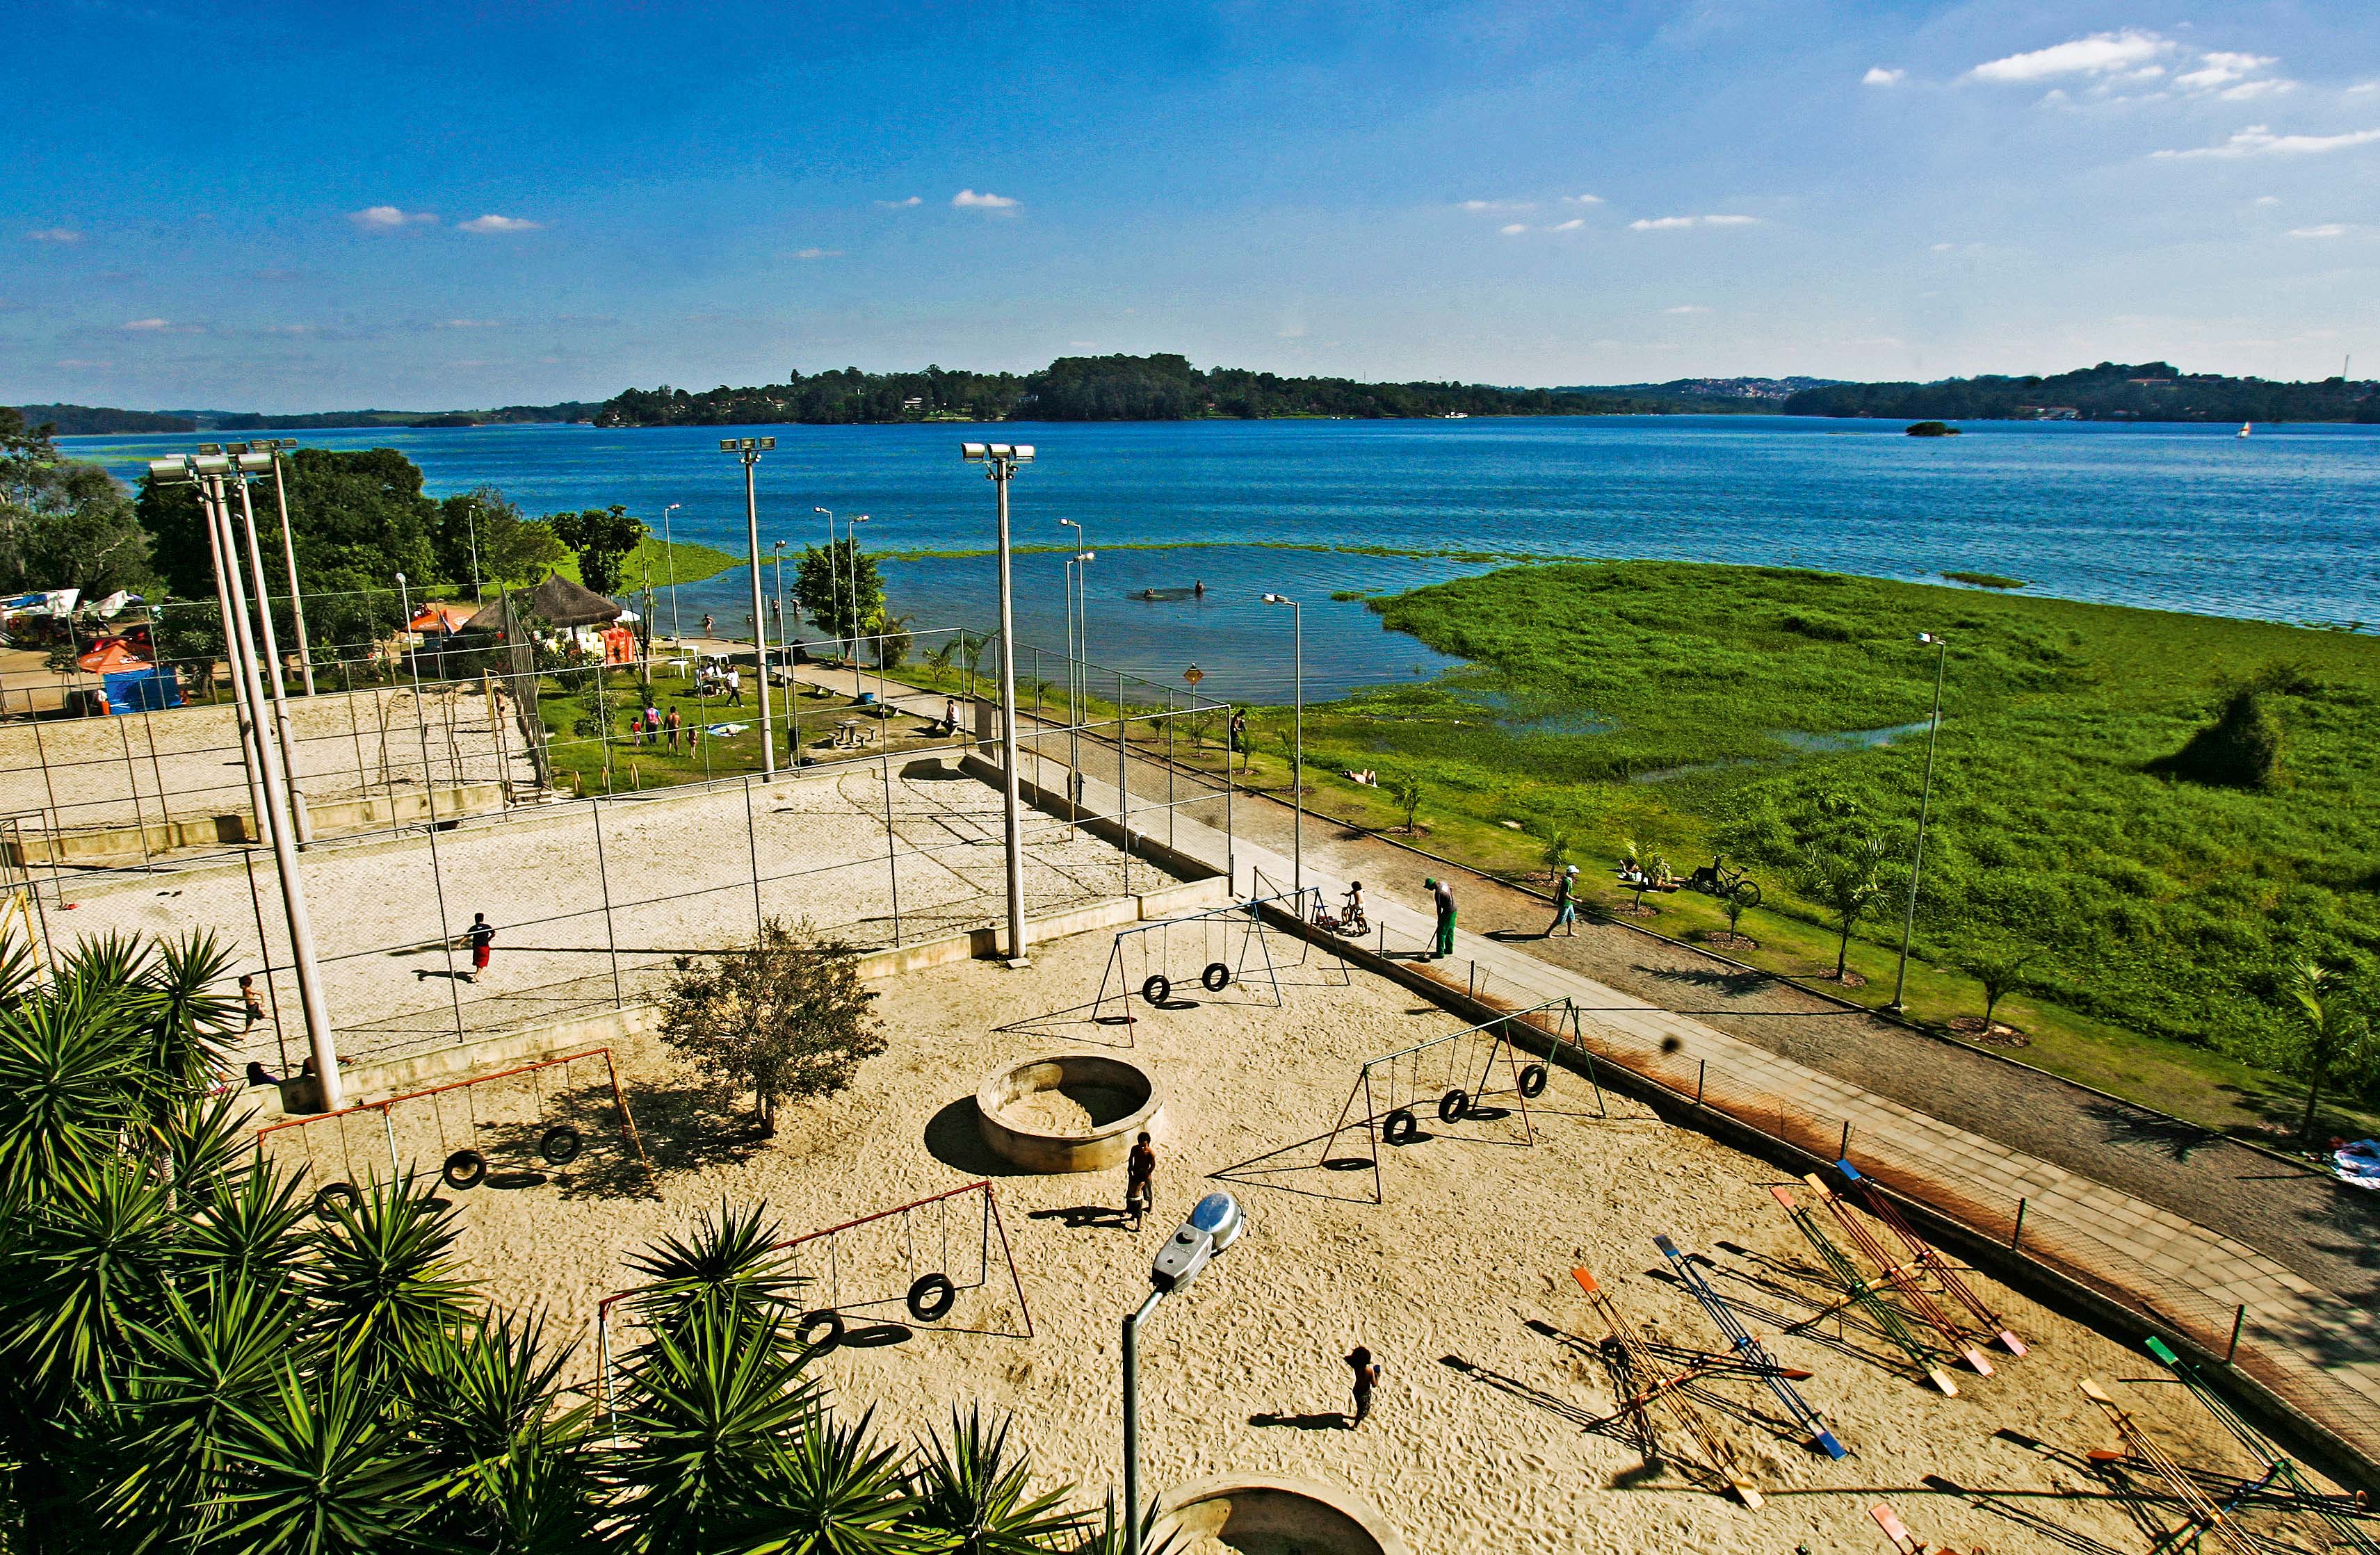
pixel 817 253
pixel 146 325
pixel 2259 140
pixel 1582 199
pixel 387 218
pixel 1513 229
pixel 290 329
pixel 55 235
pixel 1879 75
pixel 500 223
pixel 2101 53
pixel 472 323
pixel 1672 223
pixel 2328 230
pixel 1497 205
pixel 1570 225
pixel 1731 221
pixel 967 200
pixel 73 364
pixel 2366 86
pixel 2248 92
pixel 2215 69
pixel 1687 308
pixel 900 204
pixel 2268 199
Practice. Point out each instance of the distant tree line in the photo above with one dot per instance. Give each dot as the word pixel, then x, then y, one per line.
pixel 1164 387
pixel 2109 392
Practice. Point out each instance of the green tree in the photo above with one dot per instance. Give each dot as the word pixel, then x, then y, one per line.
pixel 604 537
pixel 839 589
pixel 1554 850
pixel 63 524
pixel 783 1016
pixel 1844 874
pixel 1996 966
pixel 2332 1014
pixel 1405 792
pixel 511 549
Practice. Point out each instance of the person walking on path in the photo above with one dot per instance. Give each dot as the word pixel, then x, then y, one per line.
pixel 1238 728
pixel 950 717
pixel 481 937
pixel 1441 894
pixel 1140 1181
pixel 735 687
pixel 1565 902
pixel 251 1003
pixel 1367 1377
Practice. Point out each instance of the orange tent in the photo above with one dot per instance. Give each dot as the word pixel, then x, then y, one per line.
pixel 110 655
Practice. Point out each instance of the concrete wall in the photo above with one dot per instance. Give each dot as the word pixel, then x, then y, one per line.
pixel 334 818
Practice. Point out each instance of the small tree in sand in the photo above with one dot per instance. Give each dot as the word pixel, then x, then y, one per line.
pixel 1844 875
pixel 1405 792
pixel 785 1016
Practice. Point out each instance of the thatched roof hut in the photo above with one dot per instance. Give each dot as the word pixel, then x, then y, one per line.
pixel 557 601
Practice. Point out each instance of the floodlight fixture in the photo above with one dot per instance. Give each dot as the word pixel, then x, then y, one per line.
pixel 1212 1226
pixel 727 445
pixel 973 453
pixel 211 447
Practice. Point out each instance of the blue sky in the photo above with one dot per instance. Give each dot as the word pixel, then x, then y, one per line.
pixel 304 207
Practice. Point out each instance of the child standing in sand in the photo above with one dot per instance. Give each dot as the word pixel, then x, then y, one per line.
pixel 251 1002
pixel 1140 1181
pixel 1367 1377
pixel 481 936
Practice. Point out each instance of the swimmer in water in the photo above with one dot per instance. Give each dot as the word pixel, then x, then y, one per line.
pixel 1199 587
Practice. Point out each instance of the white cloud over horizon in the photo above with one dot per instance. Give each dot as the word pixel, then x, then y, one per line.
pixel 388 218
pixel 968 200
pixel 492 223
pixel 53 234
pixel 1570 225
pixel 2259 140
pixel 2101 53
pixel 1879 75
pixel 817 253
pixel 1513 229
pixel 1685 308
pixel 900 204
pixel 2328 230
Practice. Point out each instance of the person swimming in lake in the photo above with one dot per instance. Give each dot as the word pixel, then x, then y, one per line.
pixel 1200 587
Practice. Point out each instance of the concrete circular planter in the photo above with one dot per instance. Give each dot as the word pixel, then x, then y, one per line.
pixel 1121 1098
pixel 1265 1512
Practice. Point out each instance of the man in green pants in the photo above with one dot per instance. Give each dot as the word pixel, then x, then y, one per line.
pixel 1442 895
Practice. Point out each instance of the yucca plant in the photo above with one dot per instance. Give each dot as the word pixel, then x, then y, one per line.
pixel 1113 1534
pixel 254 1228
pixel 979 1496
pixel 93 1261
pixel 67 1088
pixel 203 1146
pixel 518 1463
pixel 385 1281
pixel 834 1490
pixel 322 1468
pixel 731 1260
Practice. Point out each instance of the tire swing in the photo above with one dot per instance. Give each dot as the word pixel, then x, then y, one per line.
pixel 931 1297
pixel 560 1145
pixel 1400 1127
pixel 1157 990
pixel 1454 1105
pixel 1532 1083
pixel 826 1323
pixel 331 1195
pixel 1215 977
pixel 464 1171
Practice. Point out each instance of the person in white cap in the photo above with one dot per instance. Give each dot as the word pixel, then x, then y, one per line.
pixel 1565 902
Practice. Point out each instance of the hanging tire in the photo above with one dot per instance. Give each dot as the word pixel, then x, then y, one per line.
pixel 819 1332
pixel 1215 977
pixel 464 1170
pixel 1533 1081
pixel 560 1145
pixel 333 1194
pixel 931 1298
pixel 1400 1126
pixel 1453 1106
pixel 1747 893
pixel 1157 988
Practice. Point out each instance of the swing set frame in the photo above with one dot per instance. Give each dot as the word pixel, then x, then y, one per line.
pixel 1558 1021
pixel 388 1128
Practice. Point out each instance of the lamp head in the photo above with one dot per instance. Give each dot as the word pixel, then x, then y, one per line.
pixel 1213 1225
pixel 973 453
pixel 727 445
pixel 767 443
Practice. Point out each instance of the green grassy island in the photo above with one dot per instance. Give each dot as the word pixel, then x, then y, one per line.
pixel 2151 810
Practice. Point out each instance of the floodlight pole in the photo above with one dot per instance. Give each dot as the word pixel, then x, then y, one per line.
pixel 251 732
pixel 1001 460
pixel 1924 802
pixel 851 533
pixel 671 546
pixel 750 450
pixel 302 822
pixel 1297 753
pixel 289 559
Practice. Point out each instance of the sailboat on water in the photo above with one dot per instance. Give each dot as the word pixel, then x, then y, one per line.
pixel 2243 429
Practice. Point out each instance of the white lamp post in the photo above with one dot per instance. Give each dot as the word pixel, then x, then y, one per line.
pixel 851 534
pixel 1925 798
pixel 670 546
pixel 1000 461
pixel 750 450
pixel 1213 1225
pixel 1297 757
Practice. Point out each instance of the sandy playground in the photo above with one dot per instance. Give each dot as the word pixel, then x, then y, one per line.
pixel 1484 1437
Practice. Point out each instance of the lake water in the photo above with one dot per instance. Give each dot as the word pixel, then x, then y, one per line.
pixel 2283 525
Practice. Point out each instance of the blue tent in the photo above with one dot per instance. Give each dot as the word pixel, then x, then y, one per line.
pixel 148 690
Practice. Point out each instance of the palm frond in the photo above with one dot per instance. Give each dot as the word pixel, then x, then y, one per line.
pixel 322 1469
pixel 95 1261
pixel 731 1260
pixel 66 1084
pixel 970 1489
pixel 254 1231
pixel 385 1279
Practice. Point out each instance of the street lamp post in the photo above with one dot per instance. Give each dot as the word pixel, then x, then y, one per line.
pixel 851 535
pixel 1000 461
pixel 244 471
pixel 670 547
pixel 1297 752
pixel 276 447
pixel 1924 802
pixel 834 570
pixel 1213 1225
pixel 1079 634
pixel 749 449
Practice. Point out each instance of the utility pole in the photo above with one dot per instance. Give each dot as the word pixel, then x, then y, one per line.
pixel 1001 460
pixel 300 819
pixel 278 446
pixel 750 450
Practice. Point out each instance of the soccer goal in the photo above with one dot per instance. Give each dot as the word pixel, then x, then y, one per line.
pixel 528 1118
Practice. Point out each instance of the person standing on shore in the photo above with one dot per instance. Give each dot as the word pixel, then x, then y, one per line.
pixel 481 937
pixel 1441 894
pixel 1238 729
pixel 1565 901
pixel 1140 1180
pixel 735 687
pixel 1367 1377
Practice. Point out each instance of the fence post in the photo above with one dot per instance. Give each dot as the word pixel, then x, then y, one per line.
pixel 1844 1150
pixel 1701 1067
pixel 2239 1318
pixel 2016 1237
pixel 603 880
pixel 752 848
pixel 891 852
pixel 1123 785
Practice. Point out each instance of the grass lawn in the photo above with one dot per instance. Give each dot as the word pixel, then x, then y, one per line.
pixel 1697 709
